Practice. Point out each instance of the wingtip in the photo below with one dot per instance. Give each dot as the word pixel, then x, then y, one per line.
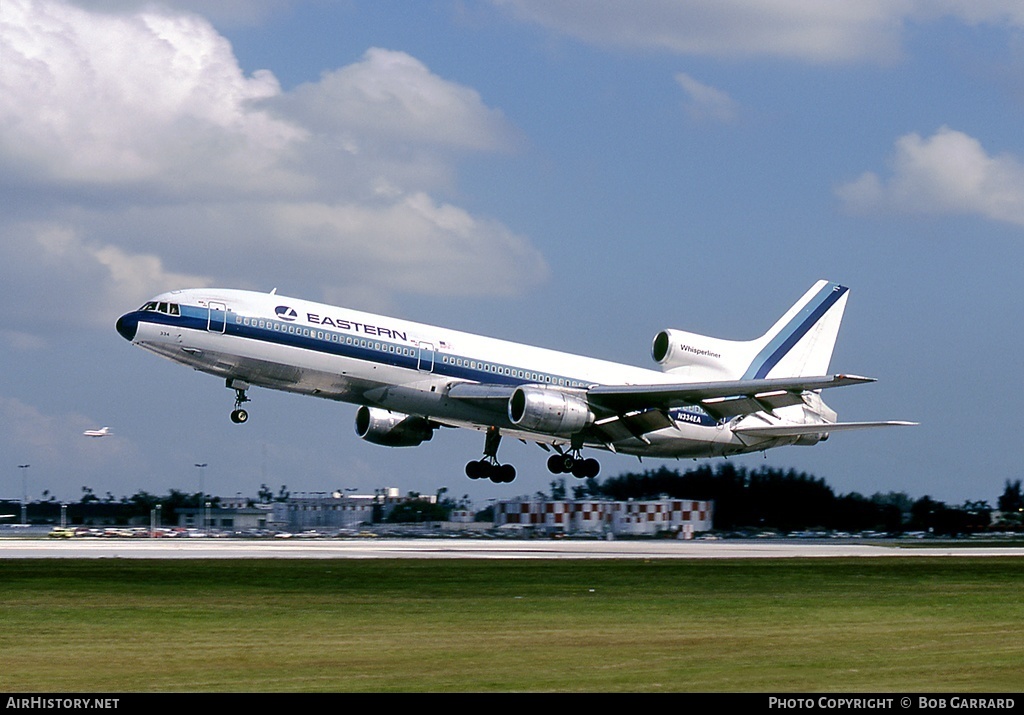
pixel 855 378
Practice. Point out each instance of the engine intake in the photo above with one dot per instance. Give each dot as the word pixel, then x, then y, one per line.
pixel 392 429
pixel 678 351
pixel 552 411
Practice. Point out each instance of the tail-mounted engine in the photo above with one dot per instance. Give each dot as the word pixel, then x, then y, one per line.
pixel 392 429
pixel 698 356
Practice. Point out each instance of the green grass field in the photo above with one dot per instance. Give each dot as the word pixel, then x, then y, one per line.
pixel 788 625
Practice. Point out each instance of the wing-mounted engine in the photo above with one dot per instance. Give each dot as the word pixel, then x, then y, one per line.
pixel 699 357
pixel 540 409
pixel 392 429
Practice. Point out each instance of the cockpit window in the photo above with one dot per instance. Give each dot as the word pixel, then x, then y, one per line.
pixel 165 308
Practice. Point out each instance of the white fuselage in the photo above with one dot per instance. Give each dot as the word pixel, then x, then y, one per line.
pixel 316 349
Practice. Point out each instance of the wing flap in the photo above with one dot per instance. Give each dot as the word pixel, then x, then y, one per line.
pixel 632 425
pixel 726 407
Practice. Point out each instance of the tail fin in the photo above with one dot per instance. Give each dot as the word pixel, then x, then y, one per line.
pixel 798 345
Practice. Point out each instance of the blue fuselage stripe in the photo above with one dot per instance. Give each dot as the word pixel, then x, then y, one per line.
pixel 410 356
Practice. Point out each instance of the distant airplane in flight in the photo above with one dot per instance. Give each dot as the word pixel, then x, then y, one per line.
pixel 104 432
pixel 712 397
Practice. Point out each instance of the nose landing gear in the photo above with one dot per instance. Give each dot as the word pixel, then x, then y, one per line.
pixel 238 415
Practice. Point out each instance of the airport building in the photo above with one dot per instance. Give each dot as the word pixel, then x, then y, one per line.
pixel 683 517
pixel 224 518
pixel 319 511
pixel 335 510
pixel 300 512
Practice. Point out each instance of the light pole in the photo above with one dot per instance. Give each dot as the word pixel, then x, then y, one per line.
pixel 24 493
pixel 154 521
pixel 202 492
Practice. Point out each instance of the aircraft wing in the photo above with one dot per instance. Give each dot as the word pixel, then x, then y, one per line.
pixel 634 410
pixel 721 400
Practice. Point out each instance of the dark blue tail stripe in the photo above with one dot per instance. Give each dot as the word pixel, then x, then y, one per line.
pixel 791 334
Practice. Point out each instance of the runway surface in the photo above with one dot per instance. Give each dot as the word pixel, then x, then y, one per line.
pixel 469 548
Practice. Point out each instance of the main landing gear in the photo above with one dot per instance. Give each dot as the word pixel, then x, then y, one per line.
pixel 238 415
pixel 488 466
pixel 572 463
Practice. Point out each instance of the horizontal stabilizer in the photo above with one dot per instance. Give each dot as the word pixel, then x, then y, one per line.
pixel 795 430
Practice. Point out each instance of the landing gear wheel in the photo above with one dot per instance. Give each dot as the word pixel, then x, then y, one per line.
pixel 503 474
pixel 574 465
pixel 477 470
pixel 586 468
pixel 556 464
pixel 497 473
pixel 238 415
pixel 488 467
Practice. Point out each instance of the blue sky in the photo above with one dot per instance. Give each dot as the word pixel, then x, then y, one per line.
pixel 578 175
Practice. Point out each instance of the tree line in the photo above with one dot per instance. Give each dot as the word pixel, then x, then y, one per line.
pixel 761 498
pixel 140 504
pixel 787 500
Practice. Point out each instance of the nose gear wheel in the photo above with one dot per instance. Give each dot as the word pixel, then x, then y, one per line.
pixel 238 415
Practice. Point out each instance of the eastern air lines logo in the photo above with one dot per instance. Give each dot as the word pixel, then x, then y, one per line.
pixel 285 313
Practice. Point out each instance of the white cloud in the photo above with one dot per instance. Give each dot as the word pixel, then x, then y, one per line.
pixel 947 173
pixel 105 99
pixel 706 102
pixel 235 13
pixel 805 30
pixel 414 242
pixel 51 266
pixel 387 122
pixel 391 96
pixel 134 142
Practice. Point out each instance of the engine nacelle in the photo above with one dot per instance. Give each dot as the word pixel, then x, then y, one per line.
pixel 551 411
pixel 392 429
pixel 699 356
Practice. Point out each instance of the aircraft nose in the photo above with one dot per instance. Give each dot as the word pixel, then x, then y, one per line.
pixel 127 325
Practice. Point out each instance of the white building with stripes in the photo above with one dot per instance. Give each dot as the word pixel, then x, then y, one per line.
pixel 684 517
